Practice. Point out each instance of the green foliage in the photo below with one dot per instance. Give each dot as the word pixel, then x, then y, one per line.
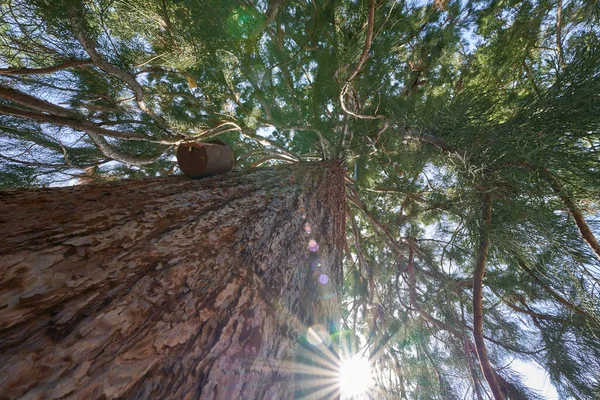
pixel 454 99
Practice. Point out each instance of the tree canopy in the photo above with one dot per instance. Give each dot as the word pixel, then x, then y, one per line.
pixel 470 132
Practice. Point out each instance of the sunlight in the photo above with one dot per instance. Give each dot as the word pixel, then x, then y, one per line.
pixel 355 377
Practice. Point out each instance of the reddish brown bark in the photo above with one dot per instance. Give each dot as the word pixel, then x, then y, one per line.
pixel 470 347
pixel 482 253
pixel 170 287
pixel 584 229
pixel 368 40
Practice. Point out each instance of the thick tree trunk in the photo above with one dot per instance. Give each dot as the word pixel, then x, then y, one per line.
pixel 171 287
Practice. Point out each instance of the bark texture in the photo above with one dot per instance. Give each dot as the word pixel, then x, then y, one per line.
pixel 171 287
pixel 478 274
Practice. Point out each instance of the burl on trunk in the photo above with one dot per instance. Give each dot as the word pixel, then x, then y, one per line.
pixel 172 287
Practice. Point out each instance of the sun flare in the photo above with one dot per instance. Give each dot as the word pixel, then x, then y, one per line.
pixel 355 377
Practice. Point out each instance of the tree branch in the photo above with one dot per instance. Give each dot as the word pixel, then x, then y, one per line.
pixel 110 69
pixel 531 78
pixel 347 111
pixel 470 346
pixel 368 41
pixel 46 165
pixel 80 125
pixel 111 152
pixel 482 253
pixel 470 365
pixel 270 143
pixel 270 157
pixel 35 103
pixel 553 293
pixel 435 141
pixel 45 70
pixel 361 258
pixel 559 48
pixel 533 313
pixel 393 243
pixel 586 233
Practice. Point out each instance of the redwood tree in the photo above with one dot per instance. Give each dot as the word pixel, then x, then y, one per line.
pixel 172 287
pixel 439 109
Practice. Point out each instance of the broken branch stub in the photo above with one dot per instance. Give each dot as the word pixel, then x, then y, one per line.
pixel 198 160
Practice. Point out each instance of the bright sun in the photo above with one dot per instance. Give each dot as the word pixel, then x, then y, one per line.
pixel 355 377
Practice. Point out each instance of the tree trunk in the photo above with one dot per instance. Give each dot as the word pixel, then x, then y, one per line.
pixel 172 287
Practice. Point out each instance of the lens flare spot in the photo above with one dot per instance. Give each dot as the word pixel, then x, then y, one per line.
pixel 313 245
pixel 316 265
pixel 307 228
pixel 318 335
pixel 324 279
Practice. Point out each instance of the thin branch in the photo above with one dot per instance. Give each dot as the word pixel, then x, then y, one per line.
pixel 375 142
pixel 368 42
pixel 552 292
pixel 455 331
pixel 435 141
pixel 46 165
pixel 270 143
pixel 365 266
pixel 391 240
pixel 110 69
pixel 533 313
pixel 473 348
pixel 559 48
pixel 586 233
pixel 445 279
pixel 166 20
pixel 531 78
pixel 345 131
pixel 124 122
pixel 45 70
pixel 412 281
pixel 54 114
pixel 217 130
pixel 111 152
pixel 150 60
pixel 347 111
pixel 271 157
